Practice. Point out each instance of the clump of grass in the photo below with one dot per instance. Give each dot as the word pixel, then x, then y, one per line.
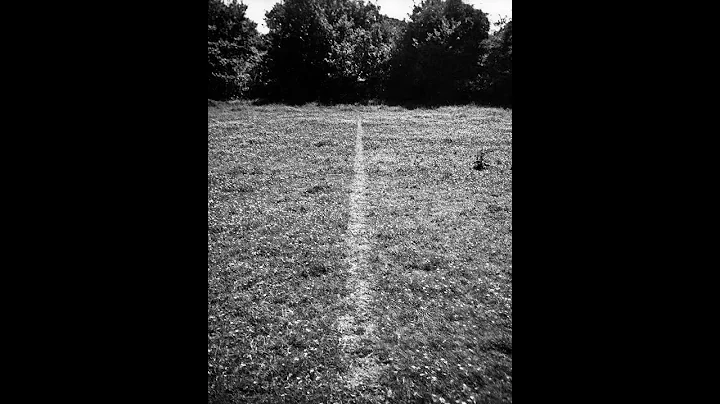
pixel 314 269
pixel 427 265
pixel 479 163
pixel 239 188
pixel 317 188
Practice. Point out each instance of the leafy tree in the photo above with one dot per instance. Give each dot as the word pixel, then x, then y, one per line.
pixel 326 49
pixel 300 39
pixel 360 52
pixel 232 52
pixel 494 82
pixel 436 60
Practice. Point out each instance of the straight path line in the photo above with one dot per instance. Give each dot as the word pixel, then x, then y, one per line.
pixel 357 324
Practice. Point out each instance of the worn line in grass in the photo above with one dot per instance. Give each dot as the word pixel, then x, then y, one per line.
pixel 357 325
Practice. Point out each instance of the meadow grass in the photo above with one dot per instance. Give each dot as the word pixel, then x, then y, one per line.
pixel 442 253
pixel 279 182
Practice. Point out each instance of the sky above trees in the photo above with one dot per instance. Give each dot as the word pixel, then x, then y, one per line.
pixel 394 8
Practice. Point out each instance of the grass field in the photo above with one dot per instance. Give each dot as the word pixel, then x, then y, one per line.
pixel 282 183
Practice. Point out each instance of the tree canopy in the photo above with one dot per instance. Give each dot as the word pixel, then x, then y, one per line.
pixel 346 50
pixel 232 52
pixel 438 53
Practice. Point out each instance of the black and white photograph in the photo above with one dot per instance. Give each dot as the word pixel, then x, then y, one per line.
pixel 359 203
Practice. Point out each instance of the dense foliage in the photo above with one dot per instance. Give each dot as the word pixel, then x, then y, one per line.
pixel 495 81
pixel 232 49
pixel 439 52
pixel 345 50
pixel 326 49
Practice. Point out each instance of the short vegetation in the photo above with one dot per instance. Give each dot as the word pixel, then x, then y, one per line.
pixel 341 51
pixel 440 253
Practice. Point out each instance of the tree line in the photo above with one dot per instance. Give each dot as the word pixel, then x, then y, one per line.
pixel 346 51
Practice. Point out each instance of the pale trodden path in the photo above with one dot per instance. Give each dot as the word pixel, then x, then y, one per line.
pixel 358 324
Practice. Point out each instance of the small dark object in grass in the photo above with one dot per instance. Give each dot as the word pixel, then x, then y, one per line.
pixel 323 143
pixel 427 265
pixel 234 187
pixel 317 188
pixel 314 269
pixel 479 164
